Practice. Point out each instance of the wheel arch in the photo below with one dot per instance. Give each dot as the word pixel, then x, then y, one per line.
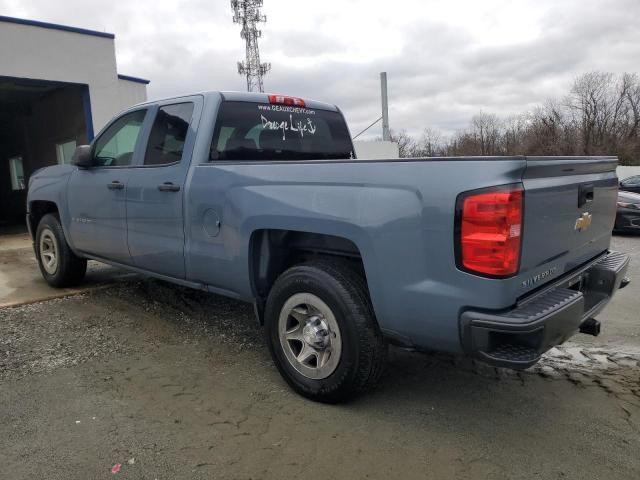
pixel 38 209
pixel 272 251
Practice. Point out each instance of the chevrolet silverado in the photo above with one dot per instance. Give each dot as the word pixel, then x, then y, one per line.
pixel 261 198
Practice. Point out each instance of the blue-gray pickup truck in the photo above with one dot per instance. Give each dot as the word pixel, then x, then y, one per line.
pixel 261 198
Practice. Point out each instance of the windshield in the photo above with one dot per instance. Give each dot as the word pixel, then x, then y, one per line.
pixel 259 131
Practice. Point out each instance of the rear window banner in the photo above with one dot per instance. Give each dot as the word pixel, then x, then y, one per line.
pixel 286 109
pixel 297 126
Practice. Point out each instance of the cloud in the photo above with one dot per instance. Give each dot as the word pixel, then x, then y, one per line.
pixel 446 59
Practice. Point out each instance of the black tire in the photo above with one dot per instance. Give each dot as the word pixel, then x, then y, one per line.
pixel 69 269
pixel 363 349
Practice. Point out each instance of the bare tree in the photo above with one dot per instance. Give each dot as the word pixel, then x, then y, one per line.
pixel 632 94
pixel 514 134
pixel 600 115
pixel 592 105
pixel 406 144
pixel 486 127
pixel 429 144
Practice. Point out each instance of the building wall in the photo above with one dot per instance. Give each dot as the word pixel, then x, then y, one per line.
pixel 376 150
pixel 45 130
pixel 47 54
pixel 131 93
pixel 33 134
pixel 11 144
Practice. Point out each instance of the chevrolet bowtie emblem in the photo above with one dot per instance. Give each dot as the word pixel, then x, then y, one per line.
pixel 583 222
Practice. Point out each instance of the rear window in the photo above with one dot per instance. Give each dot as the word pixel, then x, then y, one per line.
pixel 260 131
pixel 168 134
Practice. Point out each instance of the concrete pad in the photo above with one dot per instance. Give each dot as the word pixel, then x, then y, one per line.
pixel 15 240
pixel 22 283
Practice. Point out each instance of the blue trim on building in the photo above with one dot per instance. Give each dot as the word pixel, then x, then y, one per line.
pixel 134 79
pixel 40 82
pixel 88 117
pixel 55 26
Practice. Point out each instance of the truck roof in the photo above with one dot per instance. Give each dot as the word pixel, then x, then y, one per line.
pixel 255 97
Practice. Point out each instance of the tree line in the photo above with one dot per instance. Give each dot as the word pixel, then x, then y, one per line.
pixel 599 116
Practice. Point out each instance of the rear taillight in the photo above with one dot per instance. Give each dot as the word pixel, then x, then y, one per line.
pixel 490 231
pixel 285 100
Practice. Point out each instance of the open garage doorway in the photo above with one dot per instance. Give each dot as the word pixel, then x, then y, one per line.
pixel 41 122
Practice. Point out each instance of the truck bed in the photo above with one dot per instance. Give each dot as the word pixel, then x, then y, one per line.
pixel 404 208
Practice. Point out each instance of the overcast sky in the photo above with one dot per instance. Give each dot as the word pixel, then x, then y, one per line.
pixel 446 59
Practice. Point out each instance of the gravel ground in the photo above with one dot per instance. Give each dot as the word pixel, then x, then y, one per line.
pixel 44 336
pixel 173 383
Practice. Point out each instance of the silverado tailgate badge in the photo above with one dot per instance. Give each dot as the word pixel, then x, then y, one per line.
pixel 529 282
pixel 583 222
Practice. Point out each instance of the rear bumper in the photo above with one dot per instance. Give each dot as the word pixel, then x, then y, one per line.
pixel 517 338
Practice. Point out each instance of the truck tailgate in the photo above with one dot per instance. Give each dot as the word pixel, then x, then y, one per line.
pixel 569 211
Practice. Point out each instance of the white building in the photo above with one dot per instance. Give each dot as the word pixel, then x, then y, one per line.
pixel 59 86
pixel 376 149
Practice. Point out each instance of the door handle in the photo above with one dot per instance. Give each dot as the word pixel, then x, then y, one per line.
pixel 115 185
pixel 585 194
pixel 168 187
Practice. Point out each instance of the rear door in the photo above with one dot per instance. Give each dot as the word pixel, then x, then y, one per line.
pixel 155 190
pixel 569 211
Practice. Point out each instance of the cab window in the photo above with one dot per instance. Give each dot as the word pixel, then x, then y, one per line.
pixel 260 131
pixel 168 134
pixel 115 147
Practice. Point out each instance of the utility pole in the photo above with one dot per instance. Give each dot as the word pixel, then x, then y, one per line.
pixel 386 133
pixel 247 14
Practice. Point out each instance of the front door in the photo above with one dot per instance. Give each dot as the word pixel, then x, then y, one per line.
pixel 96 196
pixel 155 191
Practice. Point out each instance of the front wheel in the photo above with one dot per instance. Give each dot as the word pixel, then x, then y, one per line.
pixel 59 266
pixel 322 333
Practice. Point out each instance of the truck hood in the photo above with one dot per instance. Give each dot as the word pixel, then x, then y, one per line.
pixel 53 171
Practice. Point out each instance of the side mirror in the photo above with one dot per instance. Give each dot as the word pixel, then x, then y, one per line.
pixel 82 156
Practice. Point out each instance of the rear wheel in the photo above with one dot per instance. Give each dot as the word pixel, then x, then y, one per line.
pixel 322 333
pixel 59 266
